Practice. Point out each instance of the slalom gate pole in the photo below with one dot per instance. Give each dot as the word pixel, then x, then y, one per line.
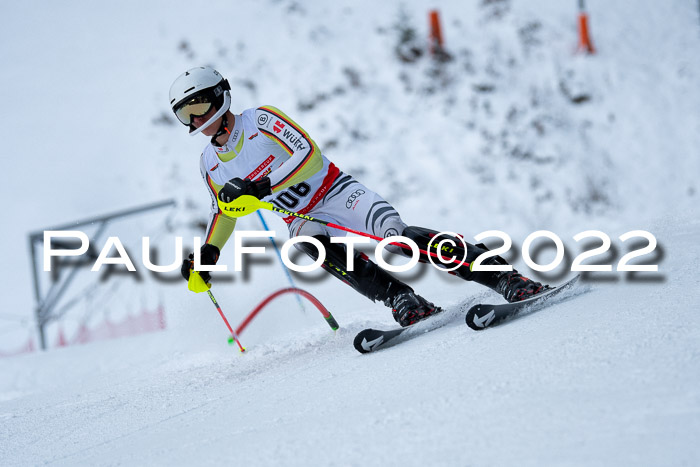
pixel 584 42
pixel 247 204
pixel 233 337
pixel 279 256
pixel 327 316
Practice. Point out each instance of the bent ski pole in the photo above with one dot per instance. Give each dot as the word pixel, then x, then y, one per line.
pixel 233 337
pixel 247 204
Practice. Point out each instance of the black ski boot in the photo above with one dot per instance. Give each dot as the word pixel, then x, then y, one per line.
pixel 408 308
pixel 373 282
pixel 512 285
pixel 515 287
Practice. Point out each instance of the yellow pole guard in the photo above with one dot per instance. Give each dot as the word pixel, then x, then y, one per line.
pixel 242 206
pixel 196 284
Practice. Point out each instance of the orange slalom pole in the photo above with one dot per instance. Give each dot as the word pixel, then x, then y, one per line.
pixel 584 41
pixel 436 43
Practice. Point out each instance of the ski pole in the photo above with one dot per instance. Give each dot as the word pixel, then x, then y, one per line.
pixel 279 256
pixel 233 337
pixel 248 204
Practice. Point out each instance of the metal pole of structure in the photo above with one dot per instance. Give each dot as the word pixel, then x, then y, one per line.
pixel 46 305
pixel 37 293
pixel 55 292
pixel 108 217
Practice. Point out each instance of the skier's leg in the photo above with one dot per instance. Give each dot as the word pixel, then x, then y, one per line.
pixel 355 206
pixel 366 277
pixel 511 284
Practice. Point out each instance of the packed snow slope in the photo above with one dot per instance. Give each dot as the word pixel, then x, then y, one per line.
pixel 515 132
pixel 608 377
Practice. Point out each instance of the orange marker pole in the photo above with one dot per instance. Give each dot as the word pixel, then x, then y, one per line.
pixel 436 43
pixel 584 38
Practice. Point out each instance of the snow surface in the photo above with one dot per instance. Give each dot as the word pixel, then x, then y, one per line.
pixel 609 377
pixel 490 140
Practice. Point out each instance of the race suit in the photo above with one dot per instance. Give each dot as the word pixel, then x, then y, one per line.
pixel 266 142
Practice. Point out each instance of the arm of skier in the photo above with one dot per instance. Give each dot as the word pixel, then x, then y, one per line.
pixel 305 158
pixel 219 229
pixel 220 226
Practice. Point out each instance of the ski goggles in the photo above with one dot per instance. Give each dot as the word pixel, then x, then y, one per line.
pixel 197 106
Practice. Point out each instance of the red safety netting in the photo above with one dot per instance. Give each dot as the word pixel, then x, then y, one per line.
pixel 26 348
pixel 146 321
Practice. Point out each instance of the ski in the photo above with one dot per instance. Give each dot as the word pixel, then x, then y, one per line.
pixel 478 317
pixel 481 316
pixel 370 339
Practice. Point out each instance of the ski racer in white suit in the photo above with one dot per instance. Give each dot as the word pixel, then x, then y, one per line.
pixel 264 153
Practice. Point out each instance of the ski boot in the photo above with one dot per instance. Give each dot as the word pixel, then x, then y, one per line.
pixel 512 285
pixel 408 308
pixel 373 282
pixel 515 287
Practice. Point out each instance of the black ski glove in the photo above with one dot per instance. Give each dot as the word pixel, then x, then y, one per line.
pixel 209 254
pixel 237 187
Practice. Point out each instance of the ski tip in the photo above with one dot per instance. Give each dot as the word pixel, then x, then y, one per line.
pixel 478 319
pixel 369 340
pixel 359 339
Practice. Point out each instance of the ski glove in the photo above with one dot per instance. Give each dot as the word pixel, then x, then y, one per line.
pixel 237 187
pixel 209 254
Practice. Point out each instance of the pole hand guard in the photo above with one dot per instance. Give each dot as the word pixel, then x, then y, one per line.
pixel 242 206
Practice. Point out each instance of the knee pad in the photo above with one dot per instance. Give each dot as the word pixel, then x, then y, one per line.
pixel 390 227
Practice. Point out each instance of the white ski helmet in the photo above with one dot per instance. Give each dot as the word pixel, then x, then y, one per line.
pixel 195 92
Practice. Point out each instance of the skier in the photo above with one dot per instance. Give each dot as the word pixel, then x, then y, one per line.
pixel 264 153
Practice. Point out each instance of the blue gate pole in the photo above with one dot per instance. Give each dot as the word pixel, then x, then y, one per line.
pixel 284 268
